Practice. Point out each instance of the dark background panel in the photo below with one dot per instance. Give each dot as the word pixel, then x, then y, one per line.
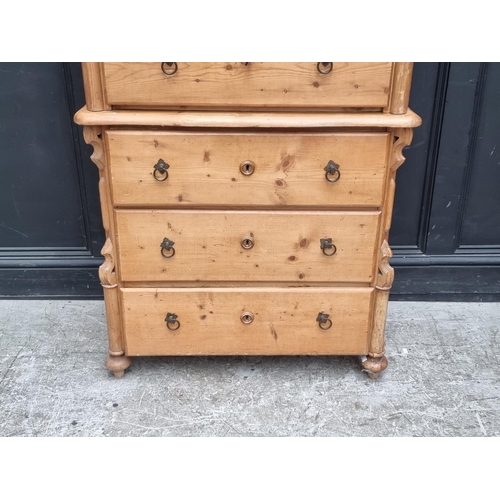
pixel 39 193
pixel 450 283
pixel 481 219
pixel 50 223
pixel 79 282
pixel 455 146
pixel 460 258
pixel 85 169
pixel 415 176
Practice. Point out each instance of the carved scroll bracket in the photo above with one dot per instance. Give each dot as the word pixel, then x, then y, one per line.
pixel 107 273
pixel 385 277
pixel 402 138
pixel 93 136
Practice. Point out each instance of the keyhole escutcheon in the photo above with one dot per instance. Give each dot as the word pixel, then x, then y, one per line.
pixel 247 167
pixel 246 317
pixel 247 242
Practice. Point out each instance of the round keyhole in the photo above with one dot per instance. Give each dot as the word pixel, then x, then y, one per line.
pixel 247 167
pixel 246 317
pixel 247 242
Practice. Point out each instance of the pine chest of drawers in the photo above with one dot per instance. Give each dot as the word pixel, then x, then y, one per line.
pixel 247 205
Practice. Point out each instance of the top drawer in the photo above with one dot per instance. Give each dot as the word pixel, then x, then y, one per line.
pixel 248 85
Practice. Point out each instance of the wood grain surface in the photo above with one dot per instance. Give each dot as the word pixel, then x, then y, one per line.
pixel 208 245
pixel 205 168
pixel 210 321
pixel 259 84
pixel 251 119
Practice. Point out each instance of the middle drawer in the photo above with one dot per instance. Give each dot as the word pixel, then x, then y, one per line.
pixel 250 246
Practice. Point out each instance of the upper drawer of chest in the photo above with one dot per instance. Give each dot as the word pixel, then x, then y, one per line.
pixel 247 85
pixel 170 169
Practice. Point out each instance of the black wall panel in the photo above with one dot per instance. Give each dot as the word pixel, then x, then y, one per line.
pixel 458 252
pixel 50 223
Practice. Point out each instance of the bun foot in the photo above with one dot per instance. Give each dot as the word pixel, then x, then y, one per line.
pixel 374 365
pixel 117 365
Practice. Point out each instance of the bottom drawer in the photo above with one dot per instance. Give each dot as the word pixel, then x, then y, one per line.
pixel 254 321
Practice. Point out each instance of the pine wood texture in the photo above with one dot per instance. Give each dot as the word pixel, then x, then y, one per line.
pixel 94 95
pixel 210 321
pixel 205 168
pixel 237 120
pixel 377 361
pixel 116 361
pixel 208 246
pixel 401 88
pixel 258 84
pixel 248 276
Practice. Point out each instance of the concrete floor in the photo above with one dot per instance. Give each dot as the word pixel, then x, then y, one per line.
pixel 443 380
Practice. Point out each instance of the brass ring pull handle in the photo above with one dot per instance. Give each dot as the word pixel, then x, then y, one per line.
pixel 247 242
pixel 167 248
pixel 169 68
pixel 332 172
pixel 324 321
pixel 327 246
pixel 247 317
pixel 160 172
pixel 325 68
pixel 172 322
pixel 247 167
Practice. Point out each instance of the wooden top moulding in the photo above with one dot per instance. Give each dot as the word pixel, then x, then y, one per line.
pixel 245 120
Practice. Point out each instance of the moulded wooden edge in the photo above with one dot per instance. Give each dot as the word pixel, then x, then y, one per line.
pixel 219 119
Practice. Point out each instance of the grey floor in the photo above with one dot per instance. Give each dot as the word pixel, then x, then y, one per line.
pixel 443 379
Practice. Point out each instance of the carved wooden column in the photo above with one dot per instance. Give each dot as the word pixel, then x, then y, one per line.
pixel 117 362
pixel 376 360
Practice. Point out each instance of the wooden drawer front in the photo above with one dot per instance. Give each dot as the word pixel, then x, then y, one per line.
pixel 208 246
pixel 291 85
pixel 204 169
pixel 284 321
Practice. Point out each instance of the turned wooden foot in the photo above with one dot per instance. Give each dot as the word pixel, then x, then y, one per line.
pixel 117 365
pixel 373 365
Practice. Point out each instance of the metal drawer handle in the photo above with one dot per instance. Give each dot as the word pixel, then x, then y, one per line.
pixel 323 321
pixel 247 167
pixel 325 68
pixel 247 242
pixel 332 172
pixel 172 322
pixel 169 68
pixel 246 317
pixel 167 248
pixel 160 172
pixel 327 246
